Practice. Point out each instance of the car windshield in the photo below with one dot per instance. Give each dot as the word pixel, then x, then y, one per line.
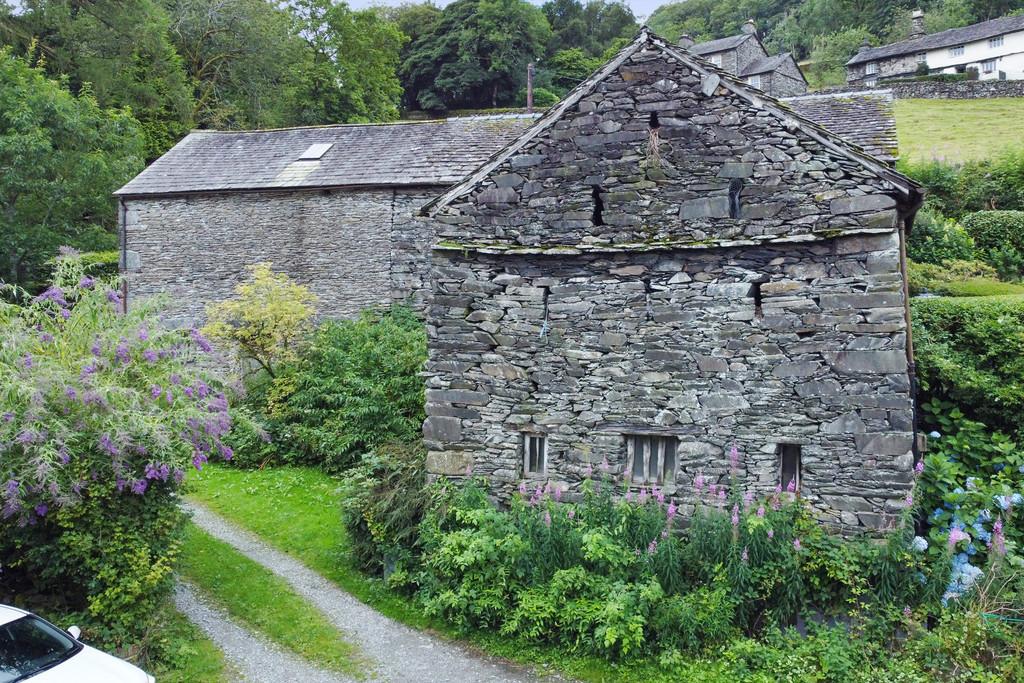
pixel 29 645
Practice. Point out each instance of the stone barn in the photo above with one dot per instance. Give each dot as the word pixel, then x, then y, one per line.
pixel 665 265
pixel 333 206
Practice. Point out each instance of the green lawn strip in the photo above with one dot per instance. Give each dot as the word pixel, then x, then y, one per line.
pixel 256 597
pixel 981 287
pixel 957 130
pixel 185 653
pixel 296 510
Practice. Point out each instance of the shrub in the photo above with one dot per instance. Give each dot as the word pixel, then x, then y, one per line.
pixel 1007 262
pixel 936 239
pixel 100 415
pixel 957 190
pixel 356 386
pixel 619 578
pixel 383 500
pixel 971 352
pixel 996 229
pixel 265 320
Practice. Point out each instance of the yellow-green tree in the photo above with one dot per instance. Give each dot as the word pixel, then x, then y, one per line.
pixel 265 320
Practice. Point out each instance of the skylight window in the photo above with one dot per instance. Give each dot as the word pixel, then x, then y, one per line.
pixel 316 151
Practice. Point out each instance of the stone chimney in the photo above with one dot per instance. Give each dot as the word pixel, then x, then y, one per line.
pixel 686 41
pixel 917 24
pixel 749 27
pixel 866 45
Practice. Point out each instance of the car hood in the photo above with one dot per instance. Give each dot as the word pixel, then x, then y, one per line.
pixel 92 666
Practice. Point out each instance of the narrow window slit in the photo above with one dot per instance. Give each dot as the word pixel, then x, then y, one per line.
pixel 535 454
pixel 789 466
pixel 654 124
pixel 755 291
pixel 597 218
pixel 735 188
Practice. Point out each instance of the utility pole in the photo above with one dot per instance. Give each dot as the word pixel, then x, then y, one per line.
pixel 529 88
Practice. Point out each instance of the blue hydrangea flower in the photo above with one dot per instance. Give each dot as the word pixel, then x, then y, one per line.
pixel 919 544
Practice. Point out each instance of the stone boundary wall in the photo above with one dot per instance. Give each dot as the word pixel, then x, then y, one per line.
pixel 934 90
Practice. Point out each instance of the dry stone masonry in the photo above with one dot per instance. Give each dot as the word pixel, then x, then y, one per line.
pixel 669 254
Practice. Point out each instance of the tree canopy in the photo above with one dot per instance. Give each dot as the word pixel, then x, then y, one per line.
pixel 61 157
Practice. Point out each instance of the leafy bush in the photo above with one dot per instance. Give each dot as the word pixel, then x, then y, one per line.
pixel 996 229
pixel 1008 263
pixel 356 386
pixel 619 578
pixel 971 352
pixel 957 190
pixel 265 320
pixel 100 415
pixel 383 500
pixel 936 239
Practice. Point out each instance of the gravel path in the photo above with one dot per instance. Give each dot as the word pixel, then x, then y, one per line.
pixel 256 659
pixel 399 654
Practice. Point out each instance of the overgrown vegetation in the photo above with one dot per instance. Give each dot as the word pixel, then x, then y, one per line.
pixel 956 131
pixel 101 413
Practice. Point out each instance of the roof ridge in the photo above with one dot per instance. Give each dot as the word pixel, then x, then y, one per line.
pixel 325 126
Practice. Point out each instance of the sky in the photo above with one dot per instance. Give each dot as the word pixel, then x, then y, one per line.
pixel 641 8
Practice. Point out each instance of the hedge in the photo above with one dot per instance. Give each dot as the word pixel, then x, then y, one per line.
pixel 996 229
pixel 971 351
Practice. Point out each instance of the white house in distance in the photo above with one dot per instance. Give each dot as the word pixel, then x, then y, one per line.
pixel 994 48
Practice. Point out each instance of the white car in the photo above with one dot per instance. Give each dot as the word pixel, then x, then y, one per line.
pixel 33 649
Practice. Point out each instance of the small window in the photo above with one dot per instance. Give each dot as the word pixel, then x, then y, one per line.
pixel 988 66
pixel 995 42
pixel 922 57
pixel 651 459
pixel 735 189
pixel 957 51
pixel 716 60
pixel 871 82
pixel 789 466
pixel 871 68
pixel 755 291
pixel 754 80
pixel 535 454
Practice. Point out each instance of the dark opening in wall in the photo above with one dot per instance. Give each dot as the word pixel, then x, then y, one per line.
pixel 654 124
pixel 755 291
pixel 597 218
pixel 789 466
pixel 735 188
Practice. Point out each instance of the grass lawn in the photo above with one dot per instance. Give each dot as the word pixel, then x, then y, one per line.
pixel 264 602
pixel 979 287
pixel 296 510
pixel 958 130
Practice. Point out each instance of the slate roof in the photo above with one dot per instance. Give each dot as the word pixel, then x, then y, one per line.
pixel 865 118
pixel 720 45
pixel 788 116
pixel 949 38
pixel 764 65
pixel 436 153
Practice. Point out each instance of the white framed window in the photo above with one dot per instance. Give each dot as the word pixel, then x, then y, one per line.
pixel 922 57
pixel 871 82
pixel 652 459
pixel 535 454
pixel 956 51
pixel 754 80
pixel 715 59
pixel 988 66
pixel 790 466
pixel 995 42
pixel 871 68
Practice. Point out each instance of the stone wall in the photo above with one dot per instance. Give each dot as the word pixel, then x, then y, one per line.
pixel 585 349
pixel 779 84
pixel 741 285
pixel 937 90
pixel 354 249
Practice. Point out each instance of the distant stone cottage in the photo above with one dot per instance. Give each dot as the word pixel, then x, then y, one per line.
pixel 665 265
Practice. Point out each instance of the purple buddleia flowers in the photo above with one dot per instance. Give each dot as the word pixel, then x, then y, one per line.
pixel 200 341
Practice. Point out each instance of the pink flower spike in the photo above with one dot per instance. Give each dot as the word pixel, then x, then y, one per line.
pixel 672 509
pixel 791 486
pixel 571 514
pixel 909 500
pixel 771 533
pixel 734 459
pixel 735 515
pixel 547 518
pixel 919 467
pixel 745 557
pixel 796 545
pixel 760 511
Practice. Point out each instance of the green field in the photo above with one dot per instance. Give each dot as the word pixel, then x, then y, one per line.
pixel 958 130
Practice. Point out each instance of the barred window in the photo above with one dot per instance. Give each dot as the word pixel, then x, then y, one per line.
pixel 651 459
pixel 535 454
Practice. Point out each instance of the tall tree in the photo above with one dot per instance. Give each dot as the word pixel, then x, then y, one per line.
pixel 414 20
pixel 351 75
pixel 121 49
pixel 244 58
pixel 61 157
pixel 592 27
pixel 477 55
